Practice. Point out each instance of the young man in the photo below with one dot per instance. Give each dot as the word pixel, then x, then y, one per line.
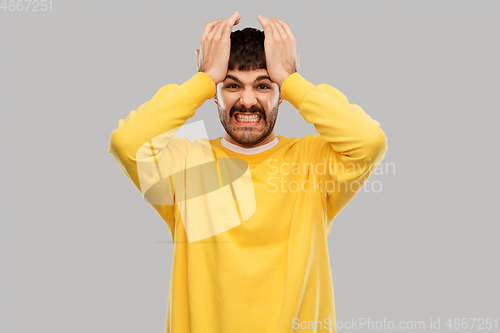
pixel 249 213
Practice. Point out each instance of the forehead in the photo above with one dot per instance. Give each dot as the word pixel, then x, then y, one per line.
pixel 248 77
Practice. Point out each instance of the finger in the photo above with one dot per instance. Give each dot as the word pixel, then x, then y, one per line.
pixel 280 29
pixel 218 31
pixel 211 35
pixel 264 21
pixel 276 33
pixel 238 17
pixel 234 19
pixel 287 29
pixel 225 24
pixel 268 30
pixel 225 29
pixel 208 28
pixel 285 36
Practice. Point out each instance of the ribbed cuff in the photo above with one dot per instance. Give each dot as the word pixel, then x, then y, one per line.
pixel 295 88
pixel 201 87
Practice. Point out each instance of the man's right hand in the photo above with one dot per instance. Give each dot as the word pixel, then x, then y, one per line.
pixel 215 46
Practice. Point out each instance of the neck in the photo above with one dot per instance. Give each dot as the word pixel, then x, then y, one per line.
pixel 269 138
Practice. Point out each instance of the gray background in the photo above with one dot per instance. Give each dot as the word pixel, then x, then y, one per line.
pixel 81 251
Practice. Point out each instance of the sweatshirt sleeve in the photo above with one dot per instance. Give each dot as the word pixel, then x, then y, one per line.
pixel 350 141
pixel 144 135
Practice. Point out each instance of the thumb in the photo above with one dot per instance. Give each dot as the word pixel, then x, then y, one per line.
pixel 197 52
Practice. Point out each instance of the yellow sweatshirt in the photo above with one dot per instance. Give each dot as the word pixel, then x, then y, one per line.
pixel 249 231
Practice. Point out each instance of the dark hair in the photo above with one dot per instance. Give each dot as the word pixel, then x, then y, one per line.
pixel 247 50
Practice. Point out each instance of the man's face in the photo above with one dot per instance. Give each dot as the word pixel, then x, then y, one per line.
pixel 248 104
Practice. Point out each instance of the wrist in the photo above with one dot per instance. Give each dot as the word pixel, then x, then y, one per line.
pixel 201 88
pixel 211 76
pixel 295 88
pixel 284 77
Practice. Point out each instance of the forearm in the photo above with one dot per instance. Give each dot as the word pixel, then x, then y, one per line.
pixel 349 130
pixel 350 140
pixel 168 110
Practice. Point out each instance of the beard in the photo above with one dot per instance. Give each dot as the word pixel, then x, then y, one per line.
pixel 248 135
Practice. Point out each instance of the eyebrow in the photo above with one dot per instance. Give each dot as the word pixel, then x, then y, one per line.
pixel 260 78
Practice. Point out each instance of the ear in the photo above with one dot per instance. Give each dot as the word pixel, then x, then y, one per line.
pixel 215 99
pixel 281 100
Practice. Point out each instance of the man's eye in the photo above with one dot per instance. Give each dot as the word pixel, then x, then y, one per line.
pixel 261 86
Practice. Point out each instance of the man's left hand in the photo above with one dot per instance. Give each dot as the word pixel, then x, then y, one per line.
pixel 282 56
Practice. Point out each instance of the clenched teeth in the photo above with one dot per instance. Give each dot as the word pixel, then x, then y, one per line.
pixel 247 118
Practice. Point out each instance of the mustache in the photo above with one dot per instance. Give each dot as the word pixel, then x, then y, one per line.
pixel 253 109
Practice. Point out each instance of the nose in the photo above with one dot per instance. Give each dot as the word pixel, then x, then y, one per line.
pixel 248 98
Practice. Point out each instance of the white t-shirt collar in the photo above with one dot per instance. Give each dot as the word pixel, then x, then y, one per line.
pixel 249 151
